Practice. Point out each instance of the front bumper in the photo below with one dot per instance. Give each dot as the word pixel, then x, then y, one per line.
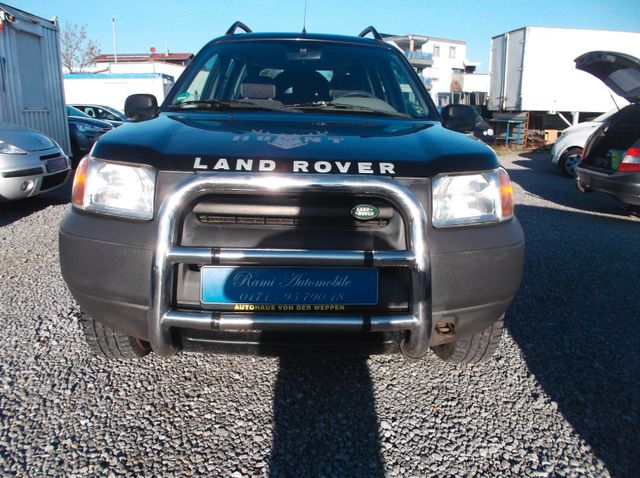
pixel 555 157
pixel 623 186
pixel 558 149
pixel 24 176
pixel 466 276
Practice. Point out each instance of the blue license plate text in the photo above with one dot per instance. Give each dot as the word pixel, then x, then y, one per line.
pixel 289 285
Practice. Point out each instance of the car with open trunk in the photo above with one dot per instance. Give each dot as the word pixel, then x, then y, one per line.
pixel 611 157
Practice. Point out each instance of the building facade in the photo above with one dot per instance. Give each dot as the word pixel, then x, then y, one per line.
pixel 441 63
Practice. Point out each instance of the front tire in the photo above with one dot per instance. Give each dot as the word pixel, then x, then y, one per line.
pixel 569 161
pixel 477 348
pixel 105 342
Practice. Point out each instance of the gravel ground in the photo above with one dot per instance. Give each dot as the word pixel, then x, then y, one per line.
pixel 559 399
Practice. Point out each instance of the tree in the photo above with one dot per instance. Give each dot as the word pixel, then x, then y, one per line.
pixel 78 51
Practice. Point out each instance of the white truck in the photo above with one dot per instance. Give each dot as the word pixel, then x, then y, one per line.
pixel 532 69
pixel 113 89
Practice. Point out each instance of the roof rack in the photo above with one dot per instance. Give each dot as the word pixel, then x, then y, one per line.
pixel 232 29
pixel 371 30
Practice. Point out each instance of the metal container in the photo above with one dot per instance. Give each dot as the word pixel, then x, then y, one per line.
pixel 31 88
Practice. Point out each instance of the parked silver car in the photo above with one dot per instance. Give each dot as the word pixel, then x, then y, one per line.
pixel 30 163
pixel 566 152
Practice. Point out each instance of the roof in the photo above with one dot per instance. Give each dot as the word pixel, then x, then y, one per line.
pixel 447 40
pixel 408 36
pixel 137 57
pixel 534 27
pixel 300 36
pixel 421 39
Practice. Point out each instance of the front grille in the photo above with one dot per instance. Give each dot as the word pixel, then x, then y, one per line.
pixel 306 221
pixel 52 181
pixel 288 221
pixel 310 211
pixel 56 164
pixel 51 156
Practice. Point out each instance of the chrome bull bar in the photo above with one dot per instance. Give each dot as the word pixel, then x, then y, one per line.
pixel 162 317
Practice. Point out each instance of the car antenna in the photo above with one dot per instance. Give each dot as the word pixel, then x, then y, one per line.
pixel 304 19
pixel 614 101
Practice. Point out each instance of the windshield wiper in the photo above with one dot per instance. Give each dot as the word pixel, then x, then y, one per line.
pixel 339 107
pixel 236 104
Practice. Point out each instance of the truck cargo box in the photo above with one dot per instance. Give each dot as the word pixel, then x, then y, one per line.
pixel 532 69
pixel 113 89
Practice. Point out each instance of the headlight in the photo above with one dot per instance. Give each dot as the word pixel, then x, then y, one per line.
pixel 488 132
pixel 114 189
pixel 88 128
pixel 472 198
pixel 10 149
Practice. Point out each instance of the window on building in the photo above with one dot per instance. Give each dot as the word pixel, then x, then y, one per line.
pixel 436 50
pixel 452 52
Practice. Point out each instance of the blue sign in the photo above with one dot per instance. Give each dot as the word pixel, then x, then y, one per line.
pixel 289 285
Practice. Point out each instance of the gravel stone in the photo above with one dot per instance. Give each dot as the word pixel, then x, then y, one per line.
pixel 559 399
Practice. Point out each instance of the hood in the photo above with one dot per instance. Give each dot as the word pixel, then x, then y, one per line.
pixel 618 71
pixel 290 142
pixel 90 121
pixel 24 138
pixel 586 125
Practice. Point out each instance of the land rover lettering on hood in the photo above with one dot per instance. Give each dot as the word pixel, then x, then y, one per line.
pixel 294 193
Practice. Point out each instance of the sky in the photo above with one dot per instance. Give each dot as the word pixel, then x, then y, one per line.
pixel 188 25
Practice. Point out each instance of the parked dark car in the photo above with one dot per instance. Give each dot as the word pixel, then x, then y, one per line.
pixel 293 193
pixel 466 119
pixel 611 158
pixel 105 113
pixel 84 131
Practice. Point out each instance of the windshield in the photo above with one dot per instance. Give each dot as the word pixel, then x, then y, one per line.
pixel 71 111
pixel 300 76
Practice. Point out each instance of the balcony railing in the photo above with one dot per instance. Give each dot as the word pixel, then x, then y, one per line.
pixel 418 55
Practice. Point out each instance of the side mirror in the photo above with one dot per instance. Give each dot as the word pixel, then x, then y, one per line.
pixel 458 118
pixel 141 107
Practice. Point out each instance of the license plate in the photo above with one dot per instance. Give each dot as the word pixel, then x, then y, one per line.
pixel 289 285
pixel 56 164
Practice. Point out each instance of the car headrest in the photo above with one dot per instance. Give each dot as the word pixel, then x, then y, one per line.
pixel 342 83
pixel 346 81
pixel 258 88
pixel 301 85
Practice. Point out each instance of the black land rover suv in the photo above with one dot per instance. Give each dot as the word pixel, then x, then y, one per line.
pixel 293 193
